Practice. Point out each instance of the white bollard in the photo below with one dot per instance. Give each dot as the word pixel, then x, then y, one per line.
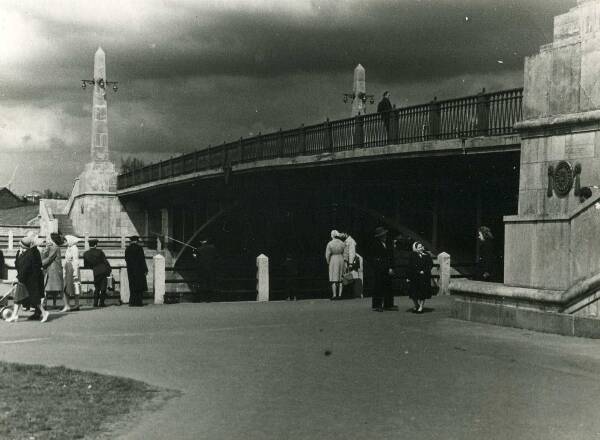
pixel 86 241
pixel 159 279
pixel 10 240
pixel 262 278
pixel 444 280
pixel 124 285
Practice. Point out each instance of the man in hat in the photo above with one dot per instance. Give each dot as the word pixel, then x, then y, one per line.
pixel 137 271
pixel 95 259
pixel 382 262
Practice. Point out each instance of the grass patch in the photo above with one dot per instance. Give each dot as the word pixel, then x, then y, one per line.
pixel 38 402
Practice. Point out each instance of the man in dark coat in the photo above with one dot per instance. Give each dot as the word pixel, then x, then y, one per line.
pixel 382 262
pixel 95 259
pixel 206 256
pixel 384 108
pixel 137 271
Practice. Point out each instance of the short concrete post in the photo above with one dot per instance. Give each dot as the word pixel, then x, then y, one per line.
pixel 444 280
pixel 159 279
pixel 86 241
pixel 158 244
pixel 10 240
pixel 262 278
pixel 122 242
pixel 124 285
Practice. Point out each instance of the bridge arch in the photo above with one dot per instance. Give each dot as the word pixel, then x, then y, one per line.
pixel 289 218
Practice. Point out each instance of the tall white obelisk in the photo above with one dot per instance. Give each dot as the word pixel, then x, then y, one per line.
pixel 359 90
pixel 99 149
pixel 94 207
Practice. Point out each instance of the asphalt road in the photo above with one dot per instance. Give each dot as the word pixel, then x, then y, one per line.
pixel 328 370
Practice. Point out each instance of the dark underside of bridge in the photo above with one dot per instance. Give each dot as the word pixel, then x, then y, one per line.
pixel 441 200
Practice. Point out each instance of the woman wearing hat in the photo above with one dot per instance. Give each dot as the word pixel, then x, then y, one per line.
pixel 419 276
pixel 28 263
pixel 52 265
pixel 71 273
pixel 334 254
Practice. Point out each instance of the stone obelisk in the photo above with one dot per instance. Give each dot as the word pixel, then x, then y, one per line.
pixel 94 208
pixel 359 90
pixel 99 149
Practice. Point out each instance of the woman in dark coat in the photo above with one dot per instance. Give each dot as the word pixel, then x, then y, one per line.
pixel 486 262
pixel 419 276
pixel 28 263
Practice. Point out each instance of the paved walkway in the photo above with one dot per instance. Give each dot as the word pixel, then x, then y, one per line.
pixel 260 371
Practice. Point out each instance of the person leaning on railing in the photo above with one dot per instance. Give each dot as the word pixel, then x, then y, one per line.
pixel 385 107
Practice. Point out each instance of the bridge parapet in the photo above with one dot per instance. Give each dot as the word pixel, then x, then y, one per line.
pixel 484 114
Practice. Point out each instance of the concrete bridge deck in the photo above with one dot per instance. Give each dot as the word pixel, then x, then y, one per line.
pixel 259 371
pixel 429 148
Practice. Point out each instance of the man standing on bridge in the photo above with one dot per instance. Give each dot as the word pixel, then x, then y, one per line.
pixel 384 108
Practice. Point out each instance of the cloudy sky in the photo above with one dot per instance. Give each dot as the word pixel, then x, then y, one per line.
pixel 194 73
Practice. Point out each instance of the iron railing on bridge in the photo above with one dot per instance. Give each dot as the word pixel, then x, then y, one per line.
pixel 484 114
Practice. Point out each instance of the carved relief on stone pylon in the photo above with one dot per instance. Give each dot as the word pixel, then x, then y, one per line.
pixel 562 177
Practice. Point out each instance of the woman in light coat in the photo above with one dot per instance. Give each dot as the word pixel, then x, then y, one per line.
pixel 52 265
pixel 334 254
pixel 353 262
pixel 71 273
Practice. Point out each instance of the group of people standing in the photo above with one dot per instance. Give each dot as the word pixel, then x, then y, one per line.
pixel 418 273
pixel 345 264
pixel 414 273
pixel 41 274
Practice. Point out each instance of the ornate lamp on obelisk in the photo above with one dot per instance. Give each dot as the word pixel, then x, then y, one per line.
pixel 94 207
pixel 359 96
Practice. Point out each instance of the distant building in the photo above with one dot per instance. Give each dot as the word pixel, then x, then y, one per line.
pixel 9 200
pixel 33 197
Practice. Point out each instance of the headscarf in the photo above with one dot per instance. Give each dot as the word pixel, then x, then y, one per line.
pixel 72 240
pixel 334 234
pixel 414 247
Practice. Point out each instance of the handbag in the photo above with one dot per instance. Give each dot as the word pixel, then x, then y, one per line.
pixel 20 292
pixel 77 288
pixel 347 279
pixel 110 282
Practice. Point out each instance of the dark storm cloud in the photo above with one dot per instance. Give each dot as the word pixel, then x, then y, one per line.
pixel 193 74
pixel 400 41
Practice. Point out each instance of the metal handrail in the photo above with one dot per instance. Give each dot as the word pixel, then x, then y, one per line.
pixel 484 114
